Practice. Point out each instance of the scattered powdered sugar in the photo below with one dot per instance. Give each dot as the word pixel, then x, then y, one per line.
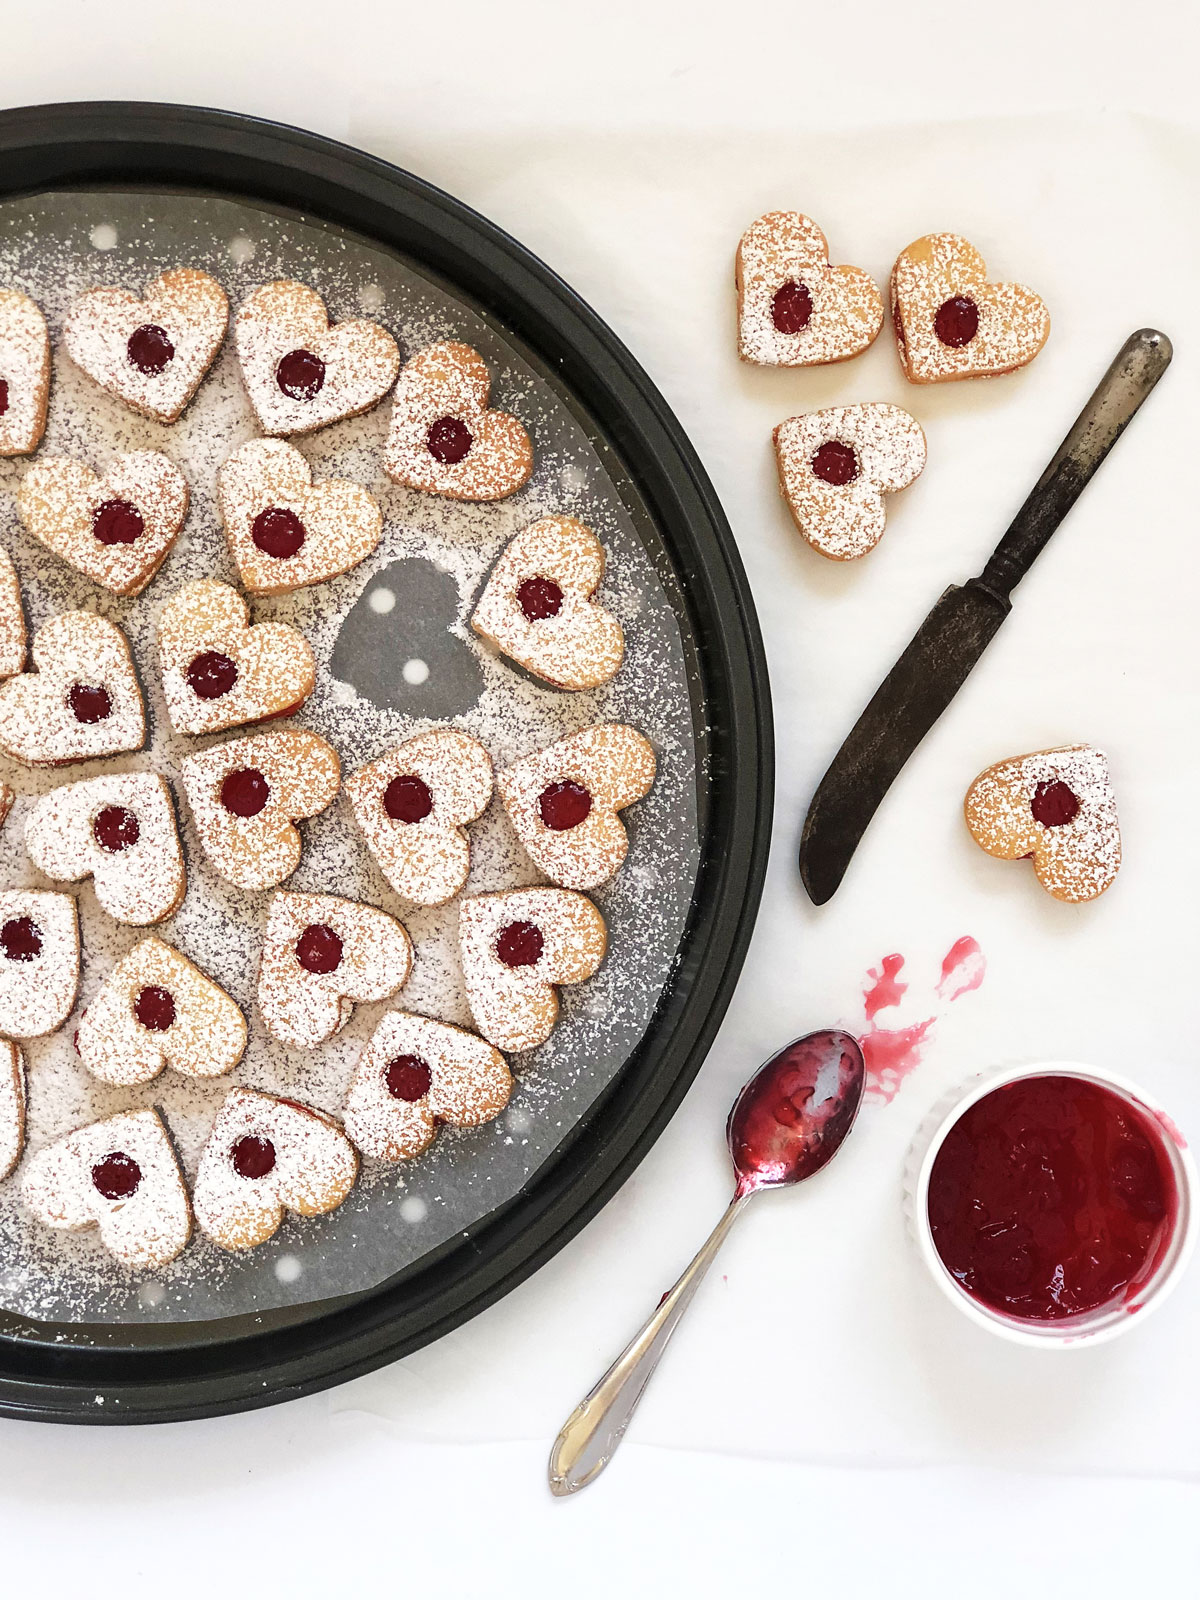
pixel 395 1214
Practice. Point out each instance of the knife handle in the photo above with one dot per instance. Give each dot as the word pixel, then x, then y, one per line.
pixel 1139 364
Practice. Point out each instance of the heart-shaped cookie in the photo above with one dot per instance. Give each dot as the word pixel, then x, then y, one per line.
pixel 151 353
pixel 120 1176
pixel 416 1073
pixel 117 529
pixel 516 945
pixel 81 700
pixel 218 671
pixel 537 606
pixel 564 800
pixel 265 1156
pixel 285 531
pixel 39 961
pixel 24 373
pixel 12 1106
pixel 835 467
pixel 951 322
pixel 413 804
pixel 12 619
pixel 321 955
pixel 1056 806
pixel 247 794
pixel 154 1010
pixel 118 830
pixel 794 308
pixel 300 372
pixel 444 439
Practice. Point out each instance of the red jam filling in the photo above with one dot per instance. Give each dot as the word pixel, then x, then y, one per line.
pixel 795 1112
pixel 245 791
pixel 1051 1197
pixel 301 375
pixel 564 805
pixel 253 1156
pixel 408 1078
pixel 319 948
pixel 155 1008
pixel 1054 804
pixel 539 598
pixel 117 1176
pixel 149 348
pixel 89 703
pixel 3 396
pixel 117 522
pixel 211 674
pixel 956 321
pixel 116 828
pixel 791 307
pixel 449 440
pixel 407 798
pixel 835 463
pixel 21 939
pixel 520 944
pixel 277 532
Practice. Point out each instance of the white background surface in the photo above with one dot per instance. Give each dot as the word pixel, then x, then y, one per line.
pixel 825 1423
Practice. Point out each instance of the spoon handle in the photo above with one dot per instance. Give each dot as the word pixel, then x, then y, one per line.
pixel 595 1428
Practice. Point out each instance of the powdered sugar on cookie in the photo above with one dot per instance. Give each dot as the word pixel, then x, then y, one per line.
pixel 24 373
pixel 12 619
pixel 39 961
pixel 12 1106
pixel 794 308
pixel 80 701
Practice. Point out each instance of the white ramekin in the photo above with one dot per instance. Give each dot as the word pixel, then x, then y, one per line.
pixel 1093 1327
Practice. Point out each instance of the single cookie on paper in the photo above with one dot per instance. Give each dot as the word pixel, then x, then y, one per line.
pixel 538 607
pixel 24 373
pixel 39 961
pixel 302 372
pixel 283 530
pixel 81 699
pixel 794 308
pixel 117 529
pixel 157 1009
pixel 564 801
pixel 119 830
pixel 416 1074
pixel 413 804
pixel 445 438
pixel 951 322
pixel 835 467
pixel 151 352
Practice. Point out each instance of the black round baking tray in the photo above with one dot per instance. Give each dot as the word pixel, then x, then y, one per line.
pixel 121 1374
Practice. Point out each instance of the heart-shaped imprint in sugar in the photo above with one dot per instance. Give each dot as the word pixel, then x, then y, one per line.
pixel 151 353
pixel 516 945
pixel 285 531
pixel 120 1176
pixel 794 308
pixel 321 955
pixel 264 1156
pixel 117 529
pixel 219 671
pixel 119 830
pixel 950 322
pixel 538 608
pixel 157 1009
pixel 835 467
pixel 564 800
pixel 24 373
pixel 416 1073
pixel 247 794
pixel 444 438
pixel 81 700
pixel 1056 806
pixel 301 372
pixel 12 1106
pixel 12 619
pixel 413 804
pixel 39 961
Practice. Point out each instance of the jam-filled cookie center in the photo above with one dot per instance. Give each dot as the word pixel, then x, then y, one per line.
pixel 1054 804
pixel 3 396
pixel 408 1078
pixel 277 532
pixel 520 944
pixel 154 1008
pixel 116 828
pixel 407 798
pixel 449 440
pixel 253 1156
pixel 835 463
pixel 149 349
pixel 539 598
pixel 956 321
pixel 117 522
pixel 211 674
pixel 21 939
pixel 564 805
pixel 89 703
pixel 792 307
pixel 300 374
pixel 245 791
pixel 319 948
pixel 117 1176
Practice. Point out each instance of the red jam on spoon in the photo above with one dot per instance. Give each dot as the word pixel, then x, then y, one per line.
pixel 1052 1197
pixel 792 1116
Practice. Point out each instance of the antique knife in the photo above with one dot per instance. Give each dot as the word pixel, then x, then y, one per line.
pixel 961 625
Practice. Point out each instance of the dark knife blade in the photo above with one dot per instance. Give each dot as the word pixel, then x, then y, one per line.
pixel 960 627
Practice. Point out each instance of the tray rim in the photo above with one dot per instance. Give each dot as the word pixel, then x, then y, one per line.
pixel 107 144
